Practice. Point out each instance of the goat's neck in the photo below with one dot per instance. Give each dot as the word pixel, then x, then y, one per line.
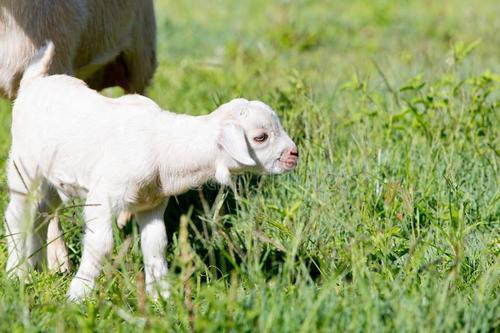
pixel 187 151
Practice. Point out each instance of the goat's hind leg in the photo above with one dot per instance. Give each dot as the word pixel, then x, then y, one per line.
pixel 57 252
pixel 19 221
pixel 16 228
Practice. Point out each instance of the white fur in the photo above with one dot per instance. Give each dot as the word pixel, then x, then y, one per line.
pixel 123 154
pixel 105 43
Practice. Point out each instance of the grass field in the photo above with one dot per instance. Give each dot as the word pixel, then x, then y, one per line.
pixel 391 221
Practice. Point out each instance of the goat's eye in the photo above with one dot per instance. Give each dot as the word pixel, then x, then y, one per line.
pixel 261 138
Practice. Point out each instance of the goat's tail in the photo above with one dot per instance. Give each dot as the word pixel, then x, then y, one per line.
pixel 40 63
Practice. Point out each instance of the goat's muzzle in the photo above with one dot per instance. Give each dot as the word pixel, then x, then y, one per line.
pixel 289 158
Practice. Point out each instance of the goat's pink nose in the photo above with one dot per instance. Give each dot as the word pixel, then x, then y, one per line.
pixel 294 152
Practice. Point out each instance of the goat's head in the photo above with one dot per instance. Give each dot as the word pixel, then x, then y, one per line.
pixel 252 137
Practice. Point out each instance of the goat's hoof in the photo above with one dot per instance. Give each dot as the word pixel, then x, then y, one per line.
pixel 79 289
pixel 158 289
pixel 18 270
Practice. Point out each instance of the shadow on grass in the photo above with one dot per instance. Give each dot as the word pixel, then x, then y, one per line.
pixel 219 256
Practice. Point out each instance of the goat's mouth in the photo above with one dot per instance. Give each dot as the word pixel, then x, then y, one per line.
pixel 287 164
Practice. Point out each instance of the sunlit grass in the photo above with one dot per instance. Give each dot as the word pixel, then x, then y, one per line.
pixel 390 222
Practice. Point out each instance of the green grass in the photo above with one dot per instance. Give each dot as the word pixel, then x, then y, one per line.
pixel 391 221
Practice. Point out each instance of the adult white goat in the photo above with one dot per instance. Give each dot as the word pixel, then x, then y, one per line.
pixel 122 154
pixel 105 43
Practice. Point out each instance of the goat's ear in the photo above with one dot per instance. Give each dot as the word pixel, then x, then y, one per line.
pixel 232 139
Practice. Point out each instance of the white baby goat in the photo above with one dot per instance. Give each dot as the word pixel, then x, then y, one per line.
pixel 122 154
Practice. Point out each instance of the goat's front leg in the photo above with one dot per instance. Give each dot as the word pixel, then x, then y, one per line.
pixel 153 244
pixel 97 244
